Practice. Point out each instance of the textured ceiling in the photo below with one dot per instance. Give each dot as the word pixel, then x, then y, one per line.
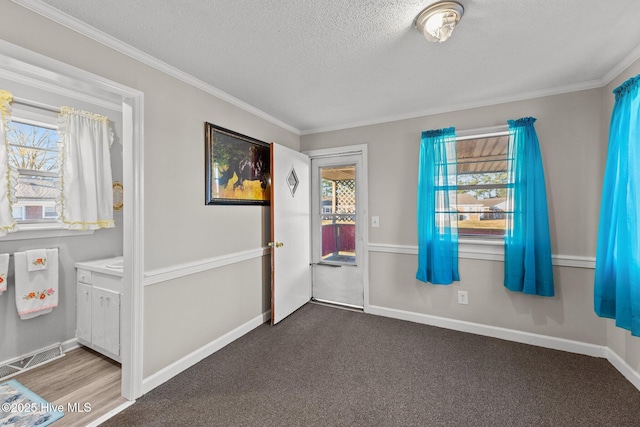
pixel 319 65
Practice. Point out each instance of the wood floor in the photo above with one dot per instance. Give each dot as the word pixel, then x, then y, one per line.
pixel 82 377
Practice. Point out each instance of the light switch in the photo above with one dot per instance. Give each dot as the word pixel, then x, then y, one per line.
pixel 375 221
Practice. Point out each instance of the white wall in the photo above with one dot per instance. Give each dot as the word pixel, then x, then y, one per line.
pixel 186 313
pixel 572 133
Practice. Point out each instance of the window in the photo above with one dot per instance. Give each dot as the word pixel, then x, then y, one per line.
pixel 338 218
pixel 482 179
pixel 49 212
pixel 18 213
pixel 460 181
pixel 33 152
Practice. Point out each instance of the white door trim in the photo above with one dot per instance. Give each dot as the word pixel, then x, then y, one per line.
pixel 15 58
pixel 360 149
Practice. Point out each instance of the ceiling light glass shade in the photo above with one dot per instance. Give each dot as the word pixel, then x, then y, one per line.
pixel 437 21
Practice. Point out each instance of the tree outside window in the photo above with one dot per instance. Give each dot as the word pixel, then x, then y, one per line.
pixel 33 152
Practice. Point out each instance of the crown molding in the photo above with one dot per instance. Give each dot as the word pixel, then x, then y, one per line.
pixel 86 30
pixel 559 90
pixel 632 57
pixel 78 26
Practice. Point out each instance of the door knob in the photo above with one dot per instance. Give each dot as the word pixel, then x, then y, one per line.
pixel 278 244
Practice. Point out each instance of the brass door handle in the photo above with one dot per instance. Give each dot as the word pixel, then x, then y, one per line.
pixel 278 244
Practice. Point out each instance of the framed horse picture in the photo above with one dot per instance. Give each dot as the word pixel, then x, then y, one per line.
pixel 237 168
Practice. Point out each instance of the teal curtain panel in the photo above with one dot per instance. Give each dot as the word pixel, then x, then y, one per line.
pixel 527 246
pixel 437 222
pixel 617 275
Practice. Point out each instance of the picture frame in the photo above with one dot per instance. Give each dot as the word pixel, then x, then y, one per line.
pixel 237 168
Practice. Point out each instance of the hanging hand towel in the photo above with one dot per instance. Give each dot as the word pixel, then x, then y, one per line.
pixel 36 291
pixel 4 272
pixel 37 259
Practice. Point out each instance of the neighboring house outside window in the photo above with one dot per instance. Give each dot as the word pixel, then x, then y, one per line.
pixel 469 208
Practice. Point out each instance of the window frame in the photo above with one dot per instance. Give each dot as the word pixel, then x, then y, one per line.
pixel 494 245
pixel 38 229
pixel 334 215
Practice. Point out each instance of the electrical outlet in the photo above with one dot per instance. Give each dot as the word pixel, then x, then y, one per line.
pixel 463 297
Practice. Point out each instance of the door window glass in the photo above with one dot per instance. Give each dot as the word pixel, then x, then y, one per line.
pixel 338 214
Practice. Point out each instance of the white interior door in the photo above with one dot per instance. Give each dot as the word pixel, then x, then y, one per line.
pixel 337 224
pixel 290 232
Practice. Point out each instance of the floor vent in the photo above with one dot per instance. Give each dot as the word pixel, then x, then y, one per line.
pixel 25 363
pixel 7 370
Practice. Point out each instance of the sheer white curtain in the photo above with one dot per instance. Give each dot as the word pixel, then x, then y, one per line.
pixel 7 177
pixel 86 196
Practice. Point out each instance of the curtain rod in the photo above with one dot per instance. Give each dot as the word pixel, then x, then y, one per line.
pixel 10 255
pixel 36 104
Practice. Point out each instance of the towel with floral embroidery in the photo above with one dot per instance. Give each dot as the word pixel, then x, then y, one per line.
pixel 36 291
pixel 37 259
pixel 4 272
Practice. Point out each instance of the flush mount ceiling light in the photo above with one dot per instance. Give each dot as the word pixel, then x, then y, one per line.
pixel 437 21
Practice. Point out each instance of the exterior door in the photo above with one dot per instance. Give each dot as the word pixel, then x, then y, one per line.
pixel 337 248
pixel 290 232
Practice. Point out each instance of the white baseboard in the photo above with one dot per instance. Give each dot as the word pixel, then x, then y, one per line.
pixel 623 367
pixel 111 413
pixel 69 345
pixel 555 343
pixel 494 331
pixel 191 359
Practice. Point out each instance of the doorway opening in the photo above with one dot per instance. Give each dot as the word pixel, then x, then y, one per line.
pixel 338 224
pixel 36 74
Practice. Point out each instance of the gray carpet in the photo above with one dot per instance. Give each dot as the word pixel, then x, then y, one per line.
pixel 329 367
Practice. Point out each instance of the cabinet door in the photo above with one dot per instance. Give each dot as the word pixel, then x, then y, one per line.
pixel 112 323
pixel 106 320
pixel 83 312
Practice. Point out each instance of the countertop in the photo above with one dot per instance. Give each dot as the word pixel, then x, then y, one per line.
pixel 104 266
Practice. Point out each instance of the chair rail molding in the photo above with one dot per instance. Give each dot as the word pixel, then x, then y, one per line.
pixel 180 270
pixel 484 250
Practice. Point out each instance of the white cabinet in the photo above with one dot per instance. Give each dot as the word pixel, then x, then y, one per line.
pixel 83 310
pixel 98 310
pixel 105 320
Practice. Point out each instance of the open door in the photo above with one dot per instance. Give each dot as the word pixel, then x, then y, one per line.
pixel 290 232
pixel 338 255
